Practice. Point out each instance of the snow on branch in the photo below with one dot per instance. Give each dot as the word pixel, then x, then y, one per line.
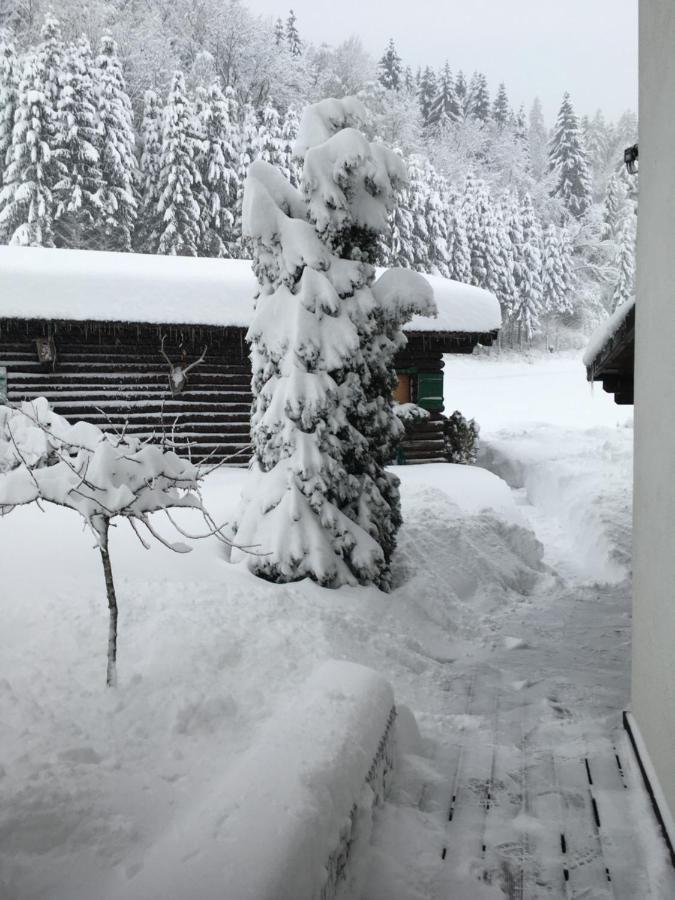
pixel 101 476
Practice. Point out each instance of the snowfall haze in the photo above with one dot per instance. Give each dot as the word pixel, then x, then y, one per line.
pixel 536 48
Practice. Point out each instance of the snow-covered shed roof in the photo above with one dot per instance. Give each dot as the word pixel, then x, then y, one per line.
pixel 610 354
pixel 605 332
pixel 88 285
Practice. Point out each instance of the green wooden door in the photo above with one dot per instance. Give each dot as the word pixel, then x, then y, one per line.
pixel 430 391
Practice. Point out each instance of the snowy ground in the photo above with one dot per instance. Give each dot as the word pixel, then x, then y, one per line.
pixel 491 646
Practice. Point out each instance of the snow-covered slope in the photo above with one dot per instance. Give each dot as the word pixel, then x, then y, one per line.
pixel 131 287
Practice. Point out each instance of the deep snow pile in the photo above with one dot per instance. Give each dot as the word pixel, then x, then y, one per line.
pixel 93 779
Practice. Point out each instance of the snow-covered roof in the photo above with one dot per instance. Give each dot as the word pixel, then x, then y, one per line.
pixel 87 285
pixel 605 332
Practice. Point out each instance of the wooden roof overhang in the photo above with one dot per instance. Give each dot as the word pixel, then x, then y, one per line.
pixel 615 362
pixel 452 341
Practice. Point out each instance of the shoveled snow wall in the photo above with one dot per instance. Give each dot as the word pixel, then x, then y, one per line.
pixel 292 819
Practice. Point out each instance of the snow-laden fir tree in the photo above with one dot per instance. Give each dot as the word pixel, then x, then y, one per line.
pixel 398 243
pixel 218 176
pixel 426 93
pixel 279 32
pixel 624 287
pixel 293 35
pixel 9 77
pixel 116 143
pixel 179 181
pixel 501 109
pixel 390 68
pixel 478 98
pixel 270 141
pixel 77 194
pixel 503 283
pixel 290 168
pixel 481 233
pixel 538 141
pixel 527 265
pixel 556 275
pixel 351 186
pixel 445 107
pixel 26 199
pixel 414 200
pixel 249 149
pixel 150 167
pixel 462 93
pixel 569 161
pixel 616 209
pixel 458 242
pixel 437 221
pixel 50 55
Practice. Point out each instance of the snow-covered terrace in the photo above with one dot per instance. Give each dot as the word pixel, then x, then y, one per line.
pixel 81 285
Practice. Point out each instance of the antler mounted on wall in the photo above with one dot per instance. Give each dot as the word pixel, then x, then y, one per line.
pixel 178 376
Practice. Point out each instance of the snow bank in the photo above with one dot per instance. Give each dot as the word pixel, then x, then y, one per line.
pixel 606 331
pixel 473 489
pixel 580 479
pixel 287 820
pixel 82 285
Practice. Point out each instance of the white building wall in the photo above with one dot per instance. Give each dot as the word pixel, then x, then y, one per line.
pixel 653 686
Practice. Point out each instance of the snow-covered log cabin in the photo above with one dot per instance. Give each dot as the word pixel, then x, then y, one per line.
pixel 156 345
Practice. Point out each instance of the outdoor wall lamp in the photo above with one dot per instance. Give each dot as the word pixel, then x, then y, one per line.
pixel 630 157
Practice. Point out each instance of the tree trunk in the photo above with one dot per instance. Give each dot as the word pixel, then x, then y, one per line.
pixel 111 677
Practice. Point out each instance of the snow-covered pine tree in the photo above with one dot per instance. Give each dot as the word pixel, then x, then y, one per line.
pixel 569 161
pixel 426 93
pixel 302 341
pixel 437 220
pixel 481 233
pixel 503 283
pixel 218 176
pixel 279 32
pixel 409 81
pixel 50 59
pixel 460 251
pixel 397 247
pixel 557 298
pixel 538 141
pixel 478 98
pixel 615 209
pixel 77 194
pixel 528 268
pixel 249 149
pixel 390 68
pixel 462 93
pixel 270 140
pixel 150 167
pixel 179 224
pixel 116 143
pixel 293 35
pixel 445 107
pixel 624 288
pixel 26 201
pixel 414 200
pixel 9 78
pixel 350 186
pixel 289 133
pixel 501 109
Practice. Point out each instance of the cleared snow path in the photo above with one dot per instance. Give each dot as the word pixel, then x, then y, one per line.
pixel 534 792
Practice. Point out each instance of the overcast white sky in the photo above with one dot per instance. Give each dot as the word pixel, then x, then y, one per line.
pixel 544 47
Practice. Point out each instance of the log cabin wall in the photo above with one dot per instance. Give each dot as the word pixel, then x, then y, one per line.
pixel 114 375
